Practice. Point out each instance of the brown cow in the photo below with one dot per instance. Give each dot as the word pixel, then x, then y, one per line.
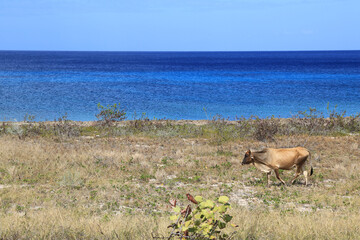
pixel 282 158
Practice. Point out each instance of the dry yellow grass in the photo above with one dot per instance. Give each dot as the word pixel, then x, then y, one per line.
pixel 118 187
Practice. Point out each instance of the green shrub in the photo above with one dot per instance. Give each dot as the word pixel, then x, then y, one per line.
pixel 208 219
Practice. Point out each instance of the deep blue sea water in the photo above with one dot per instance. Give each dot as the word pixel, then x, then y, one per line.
pixel 177 85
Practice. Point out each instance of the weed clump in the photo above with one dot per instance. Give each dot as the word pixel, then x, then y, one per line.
pixel 66 128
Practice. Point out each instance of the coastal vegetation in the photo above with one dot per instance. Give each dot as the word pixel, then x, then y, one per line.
pixel 114 179
pixel 219 129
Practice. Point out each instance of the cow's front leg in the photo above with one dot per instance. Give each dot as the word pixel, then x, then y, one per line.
pixel 268 178
pixel 295 177
pixel 298 171
pixel 278 176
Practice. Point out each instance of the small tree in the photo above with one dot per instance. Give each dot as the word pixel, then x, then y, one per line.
pixel 110 113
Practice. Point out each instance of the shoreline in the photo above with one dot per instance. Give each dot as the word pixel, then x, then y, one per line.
pixel 184 121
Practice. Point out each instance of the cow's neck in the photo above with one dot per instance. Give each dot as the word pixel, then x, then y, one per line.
pixel 260 157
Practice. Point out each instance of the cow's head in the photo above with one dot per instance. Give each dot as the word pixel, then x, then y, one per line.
pixel 248 158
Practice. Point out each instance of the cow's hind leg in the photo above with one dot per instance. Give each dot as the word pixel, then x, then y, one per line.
pixel 278 176
pixel 297 174
pixel 306 177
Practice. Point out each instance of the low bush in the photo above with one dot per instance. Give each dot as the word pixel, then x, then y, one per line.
pixel 265 129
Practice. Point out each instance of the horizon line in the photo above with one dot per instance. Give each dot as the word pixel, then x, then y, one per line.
pixel 179 51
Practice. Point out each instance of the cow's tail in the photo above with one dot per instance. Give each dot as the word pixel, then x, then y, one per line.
pixel 311 167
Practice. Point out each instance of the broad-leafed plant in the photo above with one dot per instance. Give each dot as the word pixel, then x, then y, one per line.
pixel 206 220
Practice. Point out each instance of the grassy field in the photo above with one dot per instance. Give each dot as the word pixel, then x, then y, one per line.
pixel 68 180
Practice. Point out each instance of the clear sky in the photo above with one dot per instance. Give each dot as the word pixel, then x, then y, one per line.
pixel 180 25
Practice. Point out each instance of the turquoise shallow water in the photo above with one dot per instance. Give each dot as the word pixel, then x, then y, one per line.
pixel 177 85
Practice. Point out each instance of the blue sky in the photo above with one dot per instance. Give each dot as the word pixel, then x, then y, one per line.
pixel 179 25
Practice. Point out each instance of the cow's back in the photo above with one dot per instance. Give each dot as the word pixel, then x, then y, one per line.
pixel 287 158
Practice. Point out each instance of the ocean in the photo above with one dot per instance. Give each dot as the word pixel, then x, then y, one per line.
pixel 177 85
